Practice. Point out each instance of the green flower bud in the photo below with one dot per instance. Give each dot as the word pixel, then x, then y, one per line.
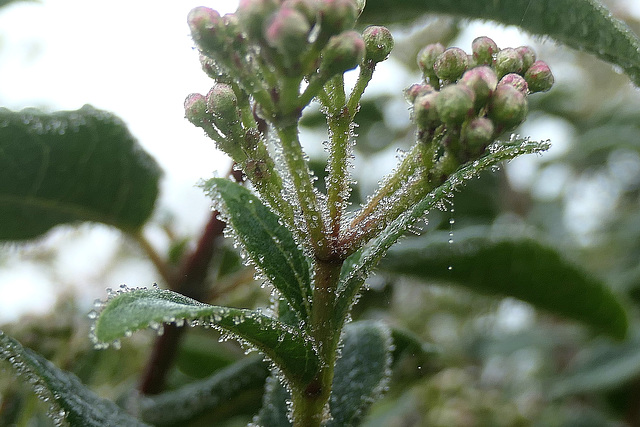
pixel 482 81
pixel 424 110
pixel 477 134
pixel 515 80
pixel 195 109
pixel 455 104
pixel 528 56
pixel 252 15
pixel 508 107
pixel 378 42
pixel 336 16
pixel 508 61
pixel 222 102
pixel 427 57
pixel 207 29
pixel 342 53
pixel 415 90
pixel 212 70
pixel 539 77
pixel 450 64
pixel 484 49
pixel 287 31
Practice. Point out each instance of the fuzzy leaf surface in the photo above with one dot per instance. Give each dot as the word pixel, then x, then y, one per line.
pixel 268 243
pixel 505 265
pixel 585 25
pixel 361 372
pixel 182 405
pixel 359 265
pixel 71 402
pixel 71 166
pixel 274 411
pixel 135 309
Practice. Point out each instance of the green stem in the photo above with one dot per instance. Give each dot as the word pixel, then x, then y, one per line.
pixel 338 177
pixel 364 77
pixel 301 177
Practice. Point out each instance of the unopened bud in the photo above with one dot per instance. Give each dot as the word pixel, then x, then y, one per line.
pixel 415 90
pixel 539 77
pixel 515 80
pixel 195 109
pixel 427 57
pixel 378 42
pixel 207 29
pixel 455 104
pixel 508 107
pixel 308 8
pixel 253 13
pixel 484 49
pixel 477 134
pixel 508 61
pixel 342 53
pixel 528 56
pixel 450 64
pixel 336 16
pixel 222 101
pixel 287 31
pixel 482 81
pixel 424 110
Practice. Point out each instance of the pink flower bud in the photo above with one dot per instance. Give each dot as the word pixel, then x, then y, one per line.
pixel 424 110
pixel 539 77
pixel 415 90
pixel 427 57
pixel 455 104
pixel 528 56
pixel 195 109
pixel 342 53
pixel 207 29
pixel 482 81
pixel 222 101
pixel 515 80
pixel 508 61
pixel 450 64
pixel 378 43
pixel 484 49
pixel 252 15
pixel 336 16
pixel 477 134
pixel 287 31
pixel 508 107
pixel 308 8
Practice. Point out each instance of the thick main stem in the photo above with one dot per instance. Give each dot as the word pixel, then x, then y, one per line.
pixel 310 405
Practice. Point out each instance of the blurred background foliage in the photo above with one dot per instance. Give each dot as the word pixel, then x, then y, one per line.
pixel 490 361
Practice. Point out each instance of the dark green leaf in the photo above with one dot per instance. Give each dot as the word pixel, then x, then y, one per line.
pixel 133 309
pixel 505 265
pixel 71 166
pixel 361 372
pixel 359 265
pixel 268 243
pixel 274 411
pixel 582 24
pixel 602 368
pixel 71 402
pixel 182 405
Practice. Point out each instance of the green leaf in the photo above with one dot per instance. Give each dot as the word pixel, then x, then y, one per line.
pixel 581 24
pixel 507 265
pixel 182 405
pixel 359 265
pixel 361 373
pixel 71 402
pixel 134 309
pixel 274 411
pixel 600 368
pixel 71 166
pixel 267 242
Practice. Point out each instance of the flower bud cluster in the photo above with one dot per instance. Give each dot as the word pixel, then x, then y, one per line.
pixel 472 99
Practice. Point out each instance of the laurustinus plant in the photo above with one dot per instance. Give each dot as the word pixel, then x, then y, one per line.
pixel 270 60
pixel 314 250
